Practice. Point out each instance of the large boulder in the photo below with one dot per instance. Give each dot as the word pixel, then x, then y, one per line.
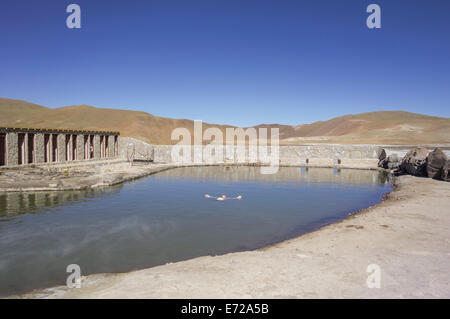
pixel 390 162
pixel 393 162
pixel 446 172
pixel 393 158
pixel 381 154
pixel 415 161
pixel 435 163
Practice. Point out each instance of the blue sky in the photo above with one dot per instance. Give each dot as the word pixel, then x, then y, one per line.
pixel 240 62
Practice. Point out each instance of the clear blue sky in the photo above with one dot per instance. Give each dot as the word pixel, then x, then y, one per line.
pixel 240 62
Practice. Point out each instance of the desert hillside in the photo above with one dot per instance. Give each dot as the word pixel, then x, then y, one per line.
pixel 141 125
pixel 387 127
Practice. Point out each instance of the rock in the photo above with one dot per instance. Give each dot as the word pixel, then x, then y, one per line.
pixel 394 166
pixel 381 154
pixel 393 158
pixel 10 174
pixel 446 172
pixel 393 162
pixel 414 162
pixel 435 163
pixel 390 162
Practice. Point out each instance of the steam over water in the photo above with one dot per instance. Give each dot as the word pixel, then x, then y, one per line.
pixel 166 218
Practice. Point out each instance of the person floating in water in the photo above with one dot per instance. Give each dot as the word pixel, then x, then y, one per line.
pixel 223 197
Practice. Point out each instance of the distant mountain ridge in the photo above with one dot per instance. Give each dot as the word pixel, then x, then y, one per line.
pixel 383 127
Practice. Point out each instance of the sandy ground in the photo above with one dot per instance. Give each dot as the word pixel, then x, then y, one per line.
pixel 407 235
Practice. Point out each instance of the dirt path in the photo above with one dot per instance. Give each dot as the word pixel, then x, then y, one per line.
pixel 408 236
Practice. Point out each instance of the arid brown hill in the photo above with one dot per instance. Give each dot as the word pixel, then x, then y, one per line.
pixel 141 125
pixel 387 127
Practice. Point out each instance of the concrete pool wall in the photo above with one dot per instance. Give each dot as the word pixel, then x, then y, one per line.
pixel 124 148
pixel 346 155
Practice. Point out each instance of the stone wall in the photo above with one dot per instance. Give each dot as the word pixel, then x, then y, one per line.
pixel 51 149
pixel 38 146
pixel 141 150
pixel 80 147
pixel 96 147
pixel 39 149
pixel 12 145
pixel 313 155
pixel 308 155
pixel 61 148
pixel 111 145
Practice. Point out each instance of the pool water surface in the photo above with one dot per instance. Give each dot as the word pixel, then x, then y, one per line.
pixel 166 218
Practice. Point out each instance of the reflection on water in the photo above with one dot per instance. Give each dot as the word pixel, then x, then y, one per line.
pixel 285 174
pixel 16 203
pixel 165 218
